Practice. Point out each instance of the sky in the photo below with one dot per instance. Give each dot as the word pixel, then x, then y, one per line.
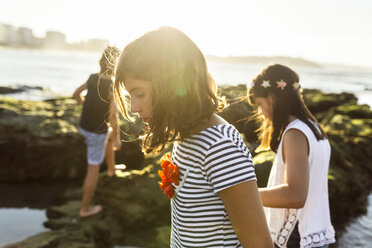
pixel 328 31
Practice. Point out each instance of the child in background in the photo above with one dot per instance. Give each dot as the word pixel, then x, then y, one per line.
pixel 296 196
pixel 216 203
pixel 101 140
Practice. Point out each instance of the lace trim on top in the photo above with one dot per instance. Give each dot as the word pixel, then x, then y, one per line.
pixel 287 227
pixel 317 239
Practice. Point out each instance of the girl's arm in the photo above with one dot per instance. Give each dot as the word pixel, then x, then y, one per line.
pixel 293 193
pixel 77 94
pixel 244 207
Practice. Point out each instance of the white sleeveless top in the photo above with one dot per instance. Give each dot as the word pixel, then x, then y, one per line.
pixel 314 222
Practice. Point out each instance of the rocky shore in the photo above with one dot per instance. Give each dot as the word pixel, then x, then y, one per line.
pixel 39 142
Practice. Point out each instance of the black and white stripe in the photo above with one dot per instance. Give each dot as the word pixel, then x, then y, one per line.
pixel 210 161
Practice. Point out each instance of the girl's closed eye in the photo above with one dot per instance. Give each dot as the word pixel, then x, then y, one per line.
pixel 140 95
pixel 137 94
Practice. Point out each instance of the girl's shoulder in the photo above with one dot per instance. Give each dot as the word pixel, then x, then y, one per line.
pixel 225 134
pixel 96 76
pixel 227 130
pixel 299 124
pixel 213 135
pixel 304 128
pixel 93 76
pixel 219 131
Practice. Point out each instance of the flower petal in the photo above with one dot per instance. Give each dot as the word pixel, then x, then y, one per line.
pixel 169 176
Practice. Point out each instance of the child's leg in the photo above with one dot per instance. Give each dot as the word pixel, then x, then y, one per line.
pixel 89 187
pixel 110 158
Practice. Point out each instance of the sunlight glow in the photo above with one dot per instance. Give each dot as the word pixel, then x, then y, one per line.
pixel 326 31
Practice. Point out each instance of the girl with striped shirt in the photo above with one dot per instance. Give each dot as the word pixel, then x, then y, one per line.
pixel 216 202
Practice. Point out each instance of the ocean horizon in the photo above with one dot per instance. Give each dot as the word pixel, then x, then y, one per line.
pixel 59 73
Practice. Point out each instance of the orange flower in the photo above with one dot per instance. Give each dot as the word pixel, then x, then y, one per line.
pixel 169 175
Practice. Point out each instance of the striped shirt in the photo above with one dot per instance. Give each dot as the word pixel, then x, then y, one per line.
pixel 210 161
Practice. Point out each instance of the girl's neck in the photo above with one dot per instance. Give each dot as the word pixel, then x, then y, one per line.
pixel 291 118
pixel 212 121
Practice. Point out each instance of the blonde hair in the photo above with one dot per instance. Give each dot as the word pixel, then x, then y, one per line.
pixel 108 60
pixel 183 92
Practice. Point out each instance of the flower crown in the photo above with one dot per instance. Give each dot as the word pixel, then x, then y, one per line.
pixel 280 84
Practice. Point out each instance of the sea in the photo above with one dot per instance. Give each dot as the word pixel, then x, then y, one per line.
pixel 59 73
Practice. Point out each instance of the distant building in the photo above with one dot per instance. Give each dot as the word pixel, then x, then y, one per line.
pixel 24 37
pixel 27 38
pixel 3 34
pixel 8 35
pixel 54 40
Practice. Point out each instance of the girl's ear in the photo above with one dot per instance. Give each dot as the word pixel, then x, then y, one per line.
pixel 271 99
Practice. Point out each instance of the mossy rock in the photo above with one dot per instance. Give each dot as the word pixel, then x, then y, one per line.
pixel 263 162
pixel 57 239
pixel 42 118
pixel 45 133
pixel 131 193
pixel 162 238
pixel 233 92
pixel 354 111
pixel 318 101
pixel 343 125
pixel 136 213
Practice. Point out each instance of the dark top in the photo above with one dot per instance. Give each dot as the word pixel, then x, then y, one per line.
pixel 96 105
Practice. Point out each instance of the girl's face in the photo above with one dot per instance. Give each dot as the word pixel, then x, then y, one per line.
pixel 265 106
pixel 140 93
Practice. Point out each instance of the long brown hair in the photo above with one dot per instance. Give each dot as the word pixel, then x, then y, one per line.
pixel 287 100
pixel 183 92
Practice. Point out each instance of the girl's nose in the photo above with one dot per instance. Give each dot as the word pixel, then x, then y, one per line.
pixel 134 107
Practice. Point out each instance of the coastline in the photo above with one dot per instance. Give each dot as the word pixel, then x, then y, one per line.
pixel 60 72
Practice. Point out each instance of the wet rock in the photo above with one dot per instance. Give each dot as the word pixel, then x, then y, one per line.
pixel 9 90
pixel 263 162
pixel 19 89
pixel 239 112
pixel 135 213
pixel 39 140
pixel 318 101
